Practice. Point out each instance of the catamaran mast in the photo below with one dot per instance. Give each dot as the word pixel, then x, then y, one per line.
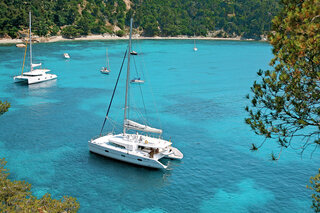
pixel 127 82
pixel 30 40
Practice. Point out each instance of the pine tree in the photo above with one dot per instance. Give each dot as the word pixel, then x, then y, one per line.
pixel 285 104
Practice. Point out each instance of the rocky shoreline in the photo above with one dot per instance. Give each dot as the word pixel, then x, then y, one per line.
pixel 37 39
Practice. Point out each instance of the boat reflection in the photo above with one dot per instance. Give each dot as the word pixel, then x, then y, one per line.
pixel 42 85
pixel 139 176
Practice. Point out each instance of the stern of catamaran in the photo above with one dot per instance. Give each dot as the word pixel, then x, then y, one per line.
pixel 20 79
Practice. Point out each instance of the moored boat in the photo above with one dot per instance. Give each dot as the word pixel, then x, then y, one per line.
pixel 34 75
pixel 137 81
pixel 66 55
pixel 106 69
pixel 133 52
pixel 134 145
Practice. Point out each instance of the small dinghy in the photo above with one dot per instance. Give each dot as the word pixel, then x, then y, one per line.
pixel 174 153
pixel 66 55
pixel 105 70
pixel 137 81
pixel 134 53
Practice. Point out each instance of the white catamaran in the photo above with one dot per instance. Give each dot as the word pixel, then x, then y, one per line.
pixel 34 75
pixel 135 148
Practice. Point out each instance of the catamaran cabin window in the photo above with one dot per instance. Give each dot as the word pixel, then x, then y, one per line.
pixel 116 145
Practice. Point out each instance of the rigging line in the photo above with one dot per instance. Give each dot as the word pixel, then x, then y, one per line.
pixel 113 123
pixel 135 66
pixel 138 45
pixel 24 58
pixel 114 90
pixel 140 87
pixel 140 116
pixel 145 109
pixel 134 108
pixel 153 99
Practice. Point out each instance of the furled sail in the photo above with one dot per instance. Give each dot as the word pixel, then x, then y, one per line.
pixel 136 126
pixel 36 65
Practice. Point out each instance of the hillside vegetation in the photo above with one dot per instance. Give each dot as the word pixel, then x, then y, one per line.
pixel 73 18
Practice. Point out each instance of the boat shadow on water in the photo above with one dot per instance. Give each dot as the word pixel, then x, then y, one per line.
pixel 146 176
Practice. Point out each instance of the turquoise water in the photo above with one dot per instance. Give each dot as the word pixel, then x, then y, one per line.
pixel 199 98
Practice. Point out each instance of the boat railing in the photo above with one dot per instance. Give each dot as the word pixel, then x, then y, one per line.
pixel 99 136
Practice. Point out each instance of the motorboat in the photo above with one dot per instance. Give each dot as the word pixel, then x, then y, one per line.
pixel 137 81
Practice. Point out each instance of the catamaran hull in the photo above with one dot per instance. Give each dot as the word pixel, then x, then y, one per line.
pixel 34 79
pixel 20 80
pixel 126 157
pixel 105 71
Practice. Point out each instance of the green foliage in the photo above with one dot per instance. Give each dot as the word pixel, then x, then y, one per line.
pixel 120 33
pixel 98 28
pixel 315 186
pixel 41 28
pixel 83 24
pixel 249 18
pixel 54 31
pixel 70 32
pixel 285 102
pixel 15 196
pixel 4 106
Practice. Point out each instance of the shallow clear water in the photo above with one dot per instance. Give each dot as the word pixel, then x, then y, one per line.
pixel 199 98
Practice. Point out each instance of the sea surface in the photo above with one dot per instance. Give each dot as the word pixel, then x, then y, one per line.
pixel 197 98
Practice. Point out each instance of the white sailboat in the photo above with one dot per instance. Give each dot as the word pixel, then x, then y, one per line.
pixel 106 69
pixel 34 75
pixel 136 148
pixel 194 45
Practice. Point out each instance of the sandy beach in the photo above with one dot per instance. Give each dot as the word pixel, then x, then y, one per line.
pixel 111 37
